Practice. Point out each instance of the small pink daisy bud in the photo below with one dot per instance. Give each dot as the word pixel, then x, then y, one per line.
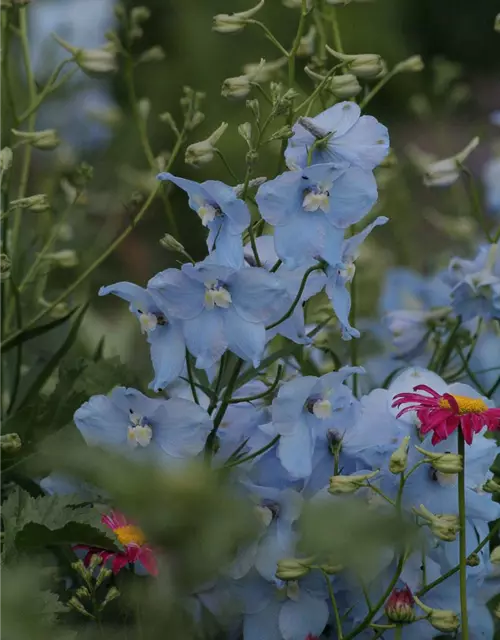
pixel 400 606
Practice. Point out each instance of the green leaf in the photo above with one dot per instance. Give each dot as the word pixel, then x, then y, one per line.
pixel 102 376
pixel 58 355
pixel 29 334
pixel 37 522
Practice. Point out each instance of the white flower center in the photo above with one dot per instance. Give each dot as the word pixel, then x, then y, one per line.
pixel 348 270
pixel 148 322
pixel 139 431
pixel 207 214
pixel 264 514
pixel 216 296
pixel 317 199
pixel 322 408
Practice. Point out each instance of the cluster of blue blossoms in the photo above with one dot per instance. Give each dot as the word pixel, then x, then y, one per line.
pixel 309 439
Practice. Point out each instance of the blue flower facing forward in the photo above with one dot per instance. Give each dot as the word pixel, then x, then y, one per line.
pixel 224 215
pixel 164 336
pixel 346 137
pixel 341 274
pixel 220 308
pixel 311 208
pixel 128 421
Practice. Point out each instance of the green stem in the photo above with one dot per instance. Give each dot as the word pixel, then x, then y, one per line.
pixel 477 208
pixel 226 164
pixel 462 541
pixel 218 382
pixel 335 608
pixel 354 341
pixel 456 569
pixel 398 633
pixel 296 44
pixel 380 84
pixel 224 405
pixel 297 297
pixel 264 393
pixel 51 86
pixel 25 169
pixel 448 347
pixel 269 35
pixel 7 93
pixel 337 39
pixel 255 454
pixel 254 245
pixel 191 377
pixel 470 373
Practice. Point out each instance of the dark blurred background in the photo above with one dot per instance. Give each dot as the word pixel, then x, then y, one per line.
pixel 439 110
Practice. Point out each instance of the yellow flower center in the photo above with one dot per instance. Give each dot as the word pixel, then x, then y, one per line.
pixel 465 404
pixel 129 534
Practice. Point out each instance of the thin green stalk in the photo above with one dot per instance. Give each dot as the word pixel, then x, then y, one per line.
pixel 224 405
pixel 456 569
pixel 189 368
pixel 354 341
pixel 218 382
pixel 335 608
pixel 337 39
pixel 398 633
pixel 19 351
pixel 477 207
pixel 462 540
pixel 493 388
pixel 320 28
pixel 448 347
pixel 255 454
pixel 297 297
pixel 380 84
pixel 470 373
pixel 50 86
pixel 269 35
pixel 296 44
pixel 264 393
pixel 25 168
pixel 254 246
pixel 7 93
pixel 226 164
pixel 140 123
pixel 470 352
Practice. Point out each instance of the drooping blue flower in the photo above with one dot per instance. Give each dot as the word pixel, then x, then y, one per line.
pixel 342 273
pixel 412 305
pixel 222 212
pixel 163 334
pixel 293 327
pixel 220 308
pixel 310 209
pixel 167 431
pixel 476 284
pixel 354 139
pixel 304 411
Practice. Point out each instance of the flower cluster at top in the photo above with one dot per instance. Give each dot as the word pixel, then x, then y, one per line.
pixel 307 439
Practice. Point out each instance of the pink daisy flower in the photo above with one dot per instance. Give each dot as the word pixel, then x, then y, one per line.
pixel 444 413
pixel 133 540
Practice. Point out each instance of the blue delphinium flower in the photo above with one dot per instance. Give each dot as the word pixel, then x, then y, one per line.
pixel 342 273
pixel 281 610
pixel 412 304
pixel 164 336
pixel 476 284
pixel 310 209
pixel 220 308
pixel 304 410
pixel 353 138
pixel 293 327
pixel 128 421
pixel 222 212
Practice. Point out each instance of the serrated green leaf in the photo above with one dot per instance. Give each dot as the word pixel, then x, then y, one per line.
pixel 37 522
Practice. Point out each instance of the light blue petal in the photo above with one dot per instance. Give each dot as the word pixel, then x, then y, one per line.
pixel 205 337
pixel 256 294
pixel 101 422
pixel 306 616
pixel 271 549
pixel 226 248
pixel 352 196
pixel 264 624
pixel 334 243
pixel 278 199
pixel 341 303
pixel 302 239
pixel 167 354
pixel 365 144
pixel 180 296
pixel 295 452
pixel 266 251
pixel 351 246
pixel 181 428
pixel 235 209
pixel 140 299
pixel 197 195
pixel 246 339
pixel 289 404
